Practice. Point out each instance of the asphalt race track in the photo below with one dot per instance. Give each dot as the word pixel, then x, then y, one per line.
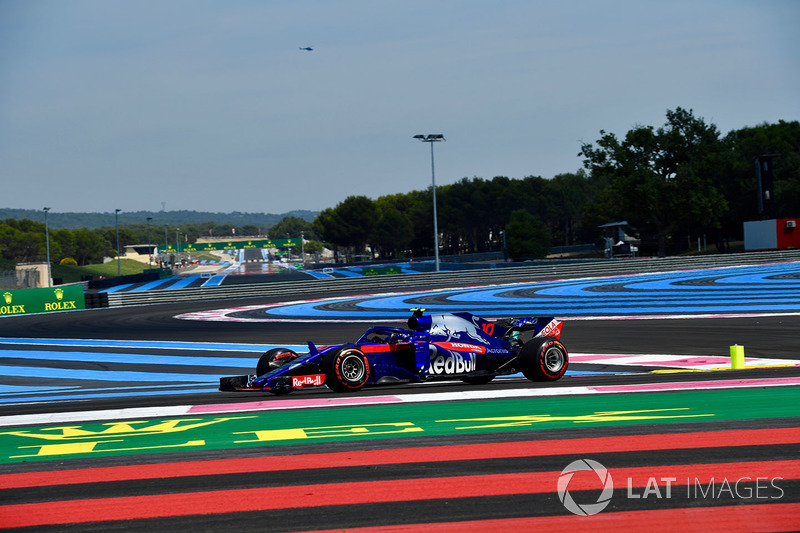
pixel 109 419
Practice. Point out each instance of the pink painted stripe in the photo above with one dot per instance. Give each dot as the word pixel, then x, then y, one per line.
pixel 721 361
pixel 584 358
pixel 720 384
pixel 679 362
pixel 692 361
pixel 290 404
pixel 648 360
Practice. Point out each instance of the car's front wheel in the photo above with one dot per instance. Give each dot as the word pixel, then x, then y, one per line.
pixel 273 359
pixel 346 369
pixel 543 359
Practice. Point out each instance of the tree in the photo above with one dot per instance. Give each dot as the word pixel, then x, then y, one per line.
pixel 662 178
pixel 394 229
pixel 126 237
pixel 91 247
pixel 310 248
pixel 23 240
pixel 737 170
pixel 567 195
pixel 327 226
pixel 292 226
pixel 350 224
pixel 62 244
pixel 250 230
pixel 358 214
pixel 527 236
pixel 419 211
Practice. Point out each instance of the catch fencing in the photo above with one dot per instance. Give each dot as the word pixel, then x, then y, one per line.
pixel 27 278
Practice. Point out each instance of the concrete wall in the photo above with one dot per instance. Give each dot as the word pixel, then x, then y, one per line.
pixel 41 268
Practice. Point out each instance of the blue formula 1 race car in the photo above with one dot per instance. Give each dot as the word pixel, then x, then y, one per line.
pixel 434 347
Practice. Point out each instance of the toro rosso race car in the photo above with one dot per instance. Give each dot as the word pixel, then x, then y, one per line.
pixel 434 347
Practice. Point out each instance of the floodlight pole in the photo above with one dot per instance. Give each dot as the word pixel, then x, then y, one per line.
pixel 433 138
pixel 116 223
pixel 149 250
pixel 47 238
pixel 303 248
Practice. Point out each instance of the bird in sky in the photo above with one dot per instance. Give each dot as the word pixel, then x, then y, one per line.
pixel 306 48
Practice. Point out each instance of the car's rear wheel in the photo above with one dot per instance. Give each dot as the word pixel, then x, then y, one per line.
pixel 543 359
pixel 346 369
pixel 274 358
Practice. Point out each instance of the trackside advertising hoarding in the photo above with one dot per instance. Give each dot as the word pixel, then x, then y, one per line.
pixel 230 245
pixel 26 301
pixel 380 270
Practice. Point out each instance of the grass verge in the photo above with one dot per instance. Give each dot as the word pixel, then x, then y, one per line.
pixel 72 274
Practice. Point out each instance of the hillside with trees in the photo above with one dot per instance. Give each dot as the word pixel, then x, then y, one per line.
pixel 71 220
pixel 24 241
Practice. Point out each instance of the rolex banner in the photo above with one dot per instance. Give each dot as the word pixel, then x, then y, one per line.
pixel 229 245
pixel 26 301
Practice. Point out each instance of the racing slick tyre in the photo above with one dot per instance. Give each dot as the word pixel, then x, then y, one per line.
pixel 543 359
pixel 346 369
pixel 477 380
pixel 273 359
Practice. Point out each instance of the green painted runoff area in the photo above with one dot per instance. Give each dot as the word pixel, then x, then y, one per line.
pixel 294 426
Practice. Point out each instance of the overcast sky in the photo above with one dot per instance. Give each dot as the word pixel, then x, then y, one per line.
pixel 212 106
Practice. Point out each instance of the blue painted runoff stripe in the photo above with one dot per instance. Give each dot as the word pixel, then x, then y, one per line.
pixel 153 284
pixel 766 288
pixel 215 281
pixel 541 309
pixel 117 287
pixel 39 372
pixel 88 394
pixel 6 390
pixel 165 345
pixel 318 275
pixel 185 281
pixel 122 358
pixel 349 274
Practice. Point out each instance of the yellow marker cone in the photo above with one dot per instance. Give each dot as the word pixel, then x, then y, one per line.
pixel 737 356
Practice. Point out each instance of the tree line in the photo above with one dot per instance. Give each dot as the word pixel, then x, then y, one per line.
pixel 24 240
pixel 673 184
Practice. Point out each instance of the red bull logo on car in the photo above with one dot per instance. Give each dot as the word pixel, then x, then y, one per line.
pixel 314 380
pixel 452 363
